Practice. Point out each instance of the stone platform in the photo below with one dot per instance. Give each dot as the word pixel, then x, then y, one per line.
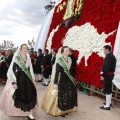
pixel 88 109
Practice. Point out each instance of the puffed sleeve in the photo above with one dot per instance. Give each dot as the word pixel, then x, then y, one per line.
pixel 57 74
pixel 71 71
pixel 14 73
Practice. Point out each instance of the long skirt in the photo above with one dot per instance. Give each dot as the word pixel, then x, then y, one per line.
pixel 50 102
pixel 7 102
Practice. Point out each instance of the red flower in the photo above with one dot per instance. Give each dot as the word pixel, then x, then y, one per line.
pixel 104 16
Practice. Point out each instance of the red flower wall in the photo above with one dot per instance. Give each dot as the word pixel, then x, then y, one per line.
pixel 103 15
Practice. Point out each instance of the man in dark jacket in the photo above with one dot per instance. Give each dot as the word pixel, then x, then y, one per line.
pixel 107 75
pixel 38 65
pixel 46 67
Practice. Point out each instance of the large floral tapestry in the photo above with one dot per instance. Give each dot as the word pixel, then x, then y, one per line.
pixel 96 25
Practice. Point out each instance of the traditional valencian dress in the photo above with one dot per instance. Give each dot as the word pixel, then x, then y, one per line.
pixel 63 100
pixel 22 101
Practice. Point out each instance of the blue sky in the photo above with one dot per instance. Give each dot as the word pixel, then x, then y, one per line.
pixel 20 20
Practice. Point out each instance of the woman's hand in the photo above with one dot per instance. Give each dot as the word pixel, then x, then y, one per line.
pixel 55 87
pixel 34 83
pixel 42 69
pixel 15 86
pixel 102 78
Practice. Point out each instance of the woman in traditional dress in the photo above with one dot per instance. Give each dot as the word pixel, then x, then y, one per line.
pixel 61 95
pixel 19 97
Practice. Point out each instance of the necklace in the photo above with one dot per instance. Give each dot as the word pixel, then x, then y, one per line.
pixel 67 62
pixel 65 59
pixel 24 58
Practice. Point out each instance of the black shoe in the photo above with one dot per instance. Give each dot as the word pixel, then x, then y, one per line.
pixel 105 108
pixel 66 113
pixel 110 104
pixel 30 118
pixel 63 115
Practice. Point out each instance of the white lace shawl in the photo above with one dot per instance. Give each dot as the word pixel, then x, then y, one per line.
pixel 58 55
pixel 10 74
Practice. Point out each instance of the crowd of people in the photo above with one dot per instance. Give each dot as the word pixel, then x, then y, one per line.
pixel 43 61
pixel 55 69
pixel 21 68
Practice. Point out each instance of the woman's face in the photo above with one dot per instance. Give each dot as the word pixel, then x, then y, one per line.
pixel 24 49
pixel 66 51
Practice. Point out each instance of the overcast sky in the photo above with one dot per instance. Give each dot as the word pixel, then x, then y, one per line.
pixel 20 20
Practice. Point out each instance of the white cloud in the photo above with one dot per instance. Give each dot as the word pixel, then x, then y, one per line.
pixel 20 20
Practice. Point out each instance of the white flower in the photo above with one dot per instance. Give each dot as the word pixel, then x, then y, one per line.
pixel 86 40
pixel 49 42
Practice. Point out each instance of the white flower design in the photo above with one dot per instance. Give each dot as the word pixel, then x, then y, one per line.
pixel 83 38
pixel 86 40
pixel 49 42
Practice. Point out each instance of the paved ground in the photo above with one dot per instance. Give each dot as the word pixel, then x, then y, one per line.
pixel 88 109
